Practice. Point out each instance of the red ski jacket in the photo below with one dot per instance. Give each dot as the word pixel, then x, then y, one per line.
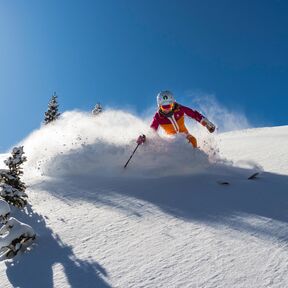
pixel 173 122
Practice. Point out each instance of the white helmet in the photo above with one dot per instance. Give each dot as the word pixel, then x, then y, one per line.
pixel 165 98
pixel 4 211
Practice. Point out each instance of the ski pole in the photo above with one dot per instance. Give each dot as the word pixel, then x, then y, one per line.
pixel 131 155
pixel 141 140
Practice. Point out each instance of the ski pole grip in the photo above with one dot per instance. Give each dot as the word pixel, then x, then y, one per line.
pixel 141 139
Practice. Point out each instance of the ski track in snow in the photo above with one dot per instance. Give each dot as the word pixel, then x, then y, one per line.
pixel 164 221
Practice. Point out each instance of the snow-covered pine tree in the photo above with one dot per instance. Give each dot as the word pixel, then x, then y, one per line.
pixel 12 189
pixel 52 113
pixel 97 109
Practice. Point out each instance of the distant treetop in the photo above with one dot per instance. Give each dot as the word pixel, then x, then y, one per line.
pixel 52 112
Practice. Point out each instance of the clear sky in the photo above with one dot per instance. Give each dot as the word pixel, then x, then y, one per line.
pixel 122 52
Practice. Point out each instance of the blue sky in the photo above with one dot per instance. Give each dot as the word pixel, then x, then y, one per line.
pixel 122 52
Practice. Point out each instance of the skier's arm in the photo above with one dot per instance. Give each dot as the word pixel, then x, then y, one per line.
pixel 192 113
pixel 155 124
pixel 199 117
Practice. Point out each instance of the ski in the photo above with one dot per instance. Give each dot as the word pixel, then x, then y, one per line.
pixel 251 177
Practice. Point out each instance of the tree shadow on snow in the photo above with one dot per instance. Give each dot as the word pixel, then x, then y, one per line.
pixel 35 268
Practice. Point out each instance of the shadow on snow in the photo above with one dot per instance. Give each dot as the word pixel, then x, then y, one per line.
pixel 192 197
pixel 257 207
pixel 34 269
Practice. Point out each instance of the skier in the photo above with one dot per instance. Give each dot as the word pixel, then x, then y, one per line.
pixel 170 116
pixel 13 233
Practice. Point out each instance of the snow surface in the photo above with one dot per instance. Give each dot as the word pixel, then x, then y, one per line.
pixel 162 222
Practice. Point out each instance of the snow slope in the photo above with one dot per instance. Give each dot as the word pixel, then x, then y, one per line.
pixel 164 221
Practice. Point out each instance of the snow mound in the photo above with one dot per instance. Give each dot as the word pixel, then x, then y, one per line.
pixel 267 146
pixel 79 143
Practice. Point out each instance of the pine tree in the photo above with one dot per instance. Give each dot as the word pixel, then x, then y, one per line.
pixel 97 109
pixel 52 113
pixel 12 189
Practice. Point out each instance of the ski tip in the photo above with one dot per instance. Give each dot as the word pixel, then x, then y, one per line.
pixel 253 176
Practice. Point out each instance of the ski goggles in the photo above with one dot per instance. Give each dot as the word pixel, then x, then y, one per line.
pixel 168 107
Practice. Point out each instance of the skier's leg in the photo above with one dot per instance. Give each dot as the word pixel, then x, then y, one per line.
pixel 191 139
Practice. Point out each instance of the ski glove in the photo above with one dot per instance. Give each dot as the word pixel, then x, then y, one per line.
pixel 209 125
pixel 141 139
